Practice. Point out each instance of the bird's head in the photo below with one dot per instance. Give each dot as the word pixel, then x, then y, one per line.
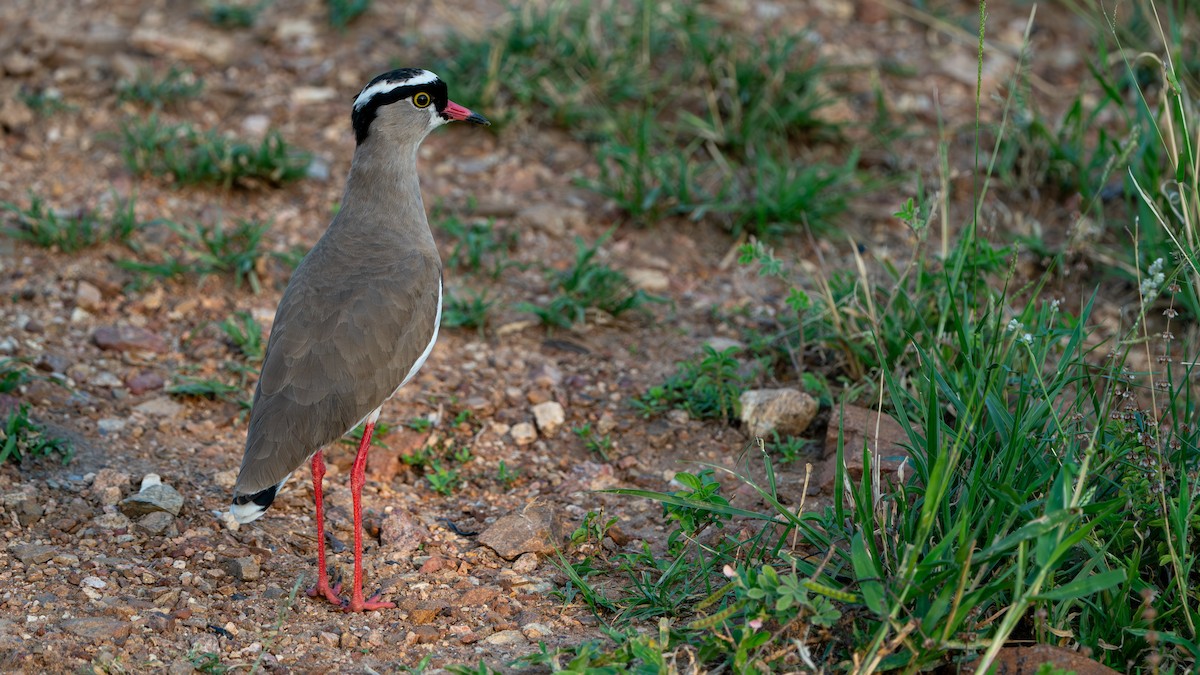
pixel 407 103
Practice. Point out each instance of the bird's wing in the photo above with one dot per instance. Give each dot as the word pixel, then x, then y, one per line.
pixel 337 351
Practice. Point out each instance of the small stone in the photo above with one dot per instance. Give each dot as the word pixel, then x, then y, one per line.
pixel 110 482
pixel 32 554
pixel 400 532
pixel 426 634
pixel 535 528
pixel 145 381
pixel 88 297
pixel 93 582
pixel 722 344
pixel 109 425
pixel 243 569
pixel 505 637
pixel 96 628
pixel 126 338
pixel 256 125
pixel 309 95
pixel 106 380
pixel 28 509
pixel 156 523
pixel 155 498
pixel 523 433
pixel 329 639
pixel 527 563
pixel 785 411
pixel 162 406
pixel 225 479
pixel 552 219
pixel 650 280
pixel 535 631
pixel 549 417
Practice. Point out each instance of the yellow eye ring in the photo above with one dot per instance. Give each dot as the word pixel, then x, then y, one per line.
pixel 421 99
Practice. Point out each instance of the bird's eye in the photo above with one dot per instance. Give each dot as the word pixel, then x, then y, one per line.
pixel 421 100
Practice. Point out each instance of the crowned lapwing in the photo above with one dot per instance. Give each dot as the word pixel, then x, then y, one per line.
pixel 359 317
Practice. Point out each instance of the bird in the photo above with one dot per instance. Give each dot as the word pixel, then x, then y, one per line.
pixel 359 316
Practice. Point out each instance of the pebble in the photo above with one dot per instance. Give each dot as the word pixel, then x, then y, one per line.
pixel 650 280
pixel 401 533
pixel 553 219
pixel 256 125
pixel 549 417
pixel 536 528
pixel 528 562
pixel 505 637
pixel 109 425
pixel 145 381
pixel 523 433
pixel 32 554
pixel 535 631
pixel 245 568
pixel 161 406
pixel 157 497
pixel 109 485
pixel 126 338
pixel 106 379
pixel 88 297
pixel 97 629
pixel 786 411
pixel 156 523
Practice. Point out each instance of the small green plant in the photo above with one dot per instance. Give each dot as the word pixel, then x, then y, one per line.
pixel 354 436
pixel 593 529
pixel 209 388
pixel 586 287
pixel 463 455
pixel 788 449
pixel 421 424
pixel 211 250
pixel 506 476
pixel 467 312
pixel 207 662
pixel 178 150
pixel 234 14
pixel 479 246
pixel 21 437
pixel 45 102
pixel 342 12
pixel 71 232
pixel 707 387
pixel 245 334
pixel 442 479
pixel 177 84
pixel 594 441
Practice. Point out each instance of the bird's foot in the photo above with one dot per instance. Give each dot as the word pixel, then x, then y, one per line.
pixel 372 603
pixel 331 593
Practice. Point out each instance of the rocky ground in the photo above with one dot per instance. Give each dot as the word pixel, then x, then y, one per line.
pixel 119 561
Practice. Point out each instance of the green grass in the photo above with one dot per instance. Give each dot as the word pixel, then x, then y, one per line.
pixel 707 387
pixel 45 102
pixel 74 231
pixel 467 312
pixel 175 85
pixel 587 287
pixel 234 14
pixel 479 247
pixel 245 335
pixel 342 12
pixel 22 438
pixel 235 252
pixel 688 119
pixel 1053 489
pixel 150 146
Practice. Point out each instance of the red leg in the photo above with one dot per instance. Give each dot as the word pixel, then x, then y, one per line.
pixel 322 589
pixel 358 477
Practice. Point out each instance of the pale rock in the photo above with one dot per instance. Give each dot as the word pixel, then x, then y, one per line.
pixel 650 280
pixel 523 433
pixel 785 411
pixel 88 297
pixel 549 417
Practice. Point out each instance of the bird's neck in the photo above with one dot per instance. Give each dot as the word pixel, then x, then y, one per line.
pixel 383 191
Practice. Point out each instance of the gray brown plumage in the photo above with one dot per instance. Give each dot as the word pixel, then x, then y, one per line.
pixel 361 312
